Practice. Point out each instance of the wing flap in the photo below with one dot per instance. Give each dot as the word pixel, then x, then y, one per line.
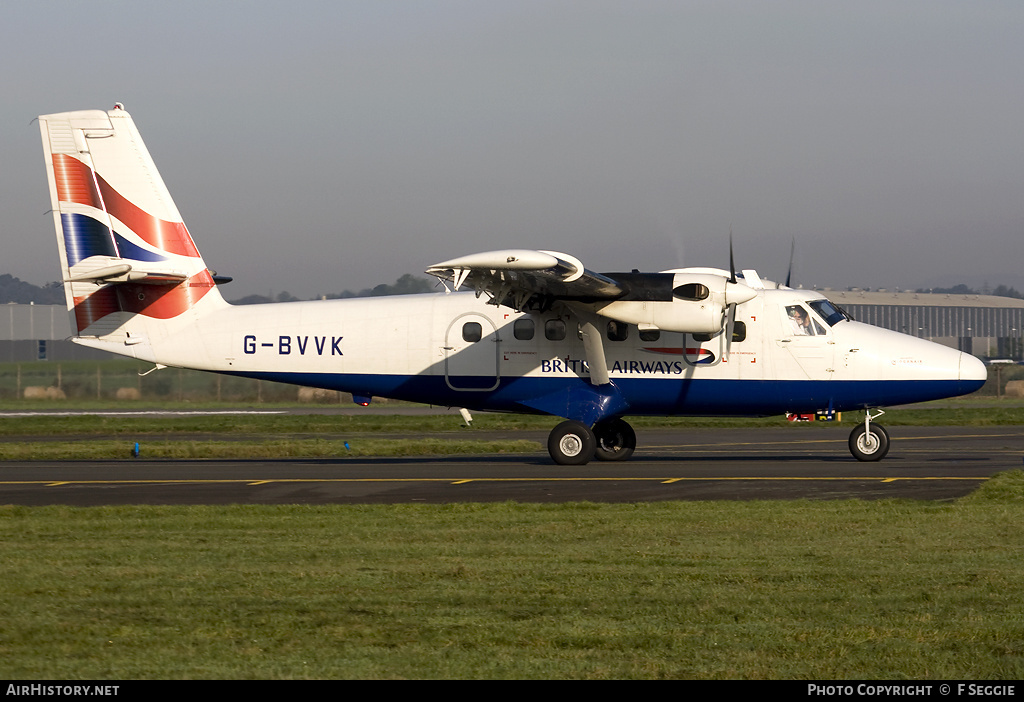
pixel 517 276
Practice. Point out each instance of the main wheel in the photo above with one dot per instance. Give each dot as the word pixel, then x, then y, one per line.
pixel 870 445
pixel 615 439
pixel 571 444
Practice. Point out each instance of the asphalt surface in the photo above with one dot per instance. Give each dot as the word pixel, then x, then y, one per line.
pixel 928 463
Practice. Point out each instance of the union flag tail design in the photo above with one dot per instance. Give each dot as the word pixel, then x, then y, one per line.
pixel 127 259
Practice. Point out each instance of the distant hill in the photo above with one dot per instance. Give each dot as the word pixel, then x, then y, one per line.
pixel 998 291
pixel 406 285
pixel 15 290
pixel 19 292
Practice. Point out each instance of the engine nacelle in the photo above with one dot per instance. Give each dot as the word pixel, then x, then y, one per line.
pixel 682 301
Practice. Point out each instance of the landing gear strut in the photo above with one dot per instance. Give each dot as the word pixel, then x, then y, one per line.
pixel 869 442
pixel 574 444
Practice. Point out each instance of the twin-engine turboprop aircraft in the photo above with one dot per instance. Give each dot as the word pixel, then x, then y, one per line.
pixel 530 331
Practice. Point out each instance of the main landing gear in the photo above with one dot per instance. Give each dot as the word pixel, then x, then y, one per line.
pixel 869 442
pixel 574 444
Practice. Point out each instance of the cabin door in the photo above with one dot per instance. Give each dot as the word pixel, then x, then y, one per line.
pixel 471 352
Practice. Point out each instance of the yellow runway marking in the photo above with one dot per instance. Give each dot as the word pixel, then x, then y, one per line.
pixel 462 481
pixel 833 440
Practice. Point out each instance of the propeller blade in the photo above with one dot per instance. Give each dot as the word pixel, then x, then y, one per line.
pixel 789 273
pixel 732 264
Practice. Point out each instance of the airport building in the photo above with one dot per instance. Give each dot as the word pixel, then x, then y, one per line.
pixel 984 325
pixel 40 333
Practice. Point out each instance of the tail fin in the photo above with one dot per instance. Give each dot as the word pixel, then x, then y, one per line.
pixel 126 255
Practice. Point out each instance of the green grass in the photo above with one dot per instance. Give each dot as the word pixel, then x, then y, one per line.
pixel 339 425
pixel 316 435
pixel 786 590
pixel 258 448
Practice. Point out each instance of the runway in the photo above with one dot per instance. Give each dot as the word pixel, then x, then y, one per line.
pixel 929 463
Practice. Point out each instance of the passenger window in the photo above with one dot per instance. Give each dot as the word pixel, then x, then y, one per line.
pixel 617 331
pixel 554 330
pixel 650 334
pixel 739 331
pixel 523 329
pixel 472 331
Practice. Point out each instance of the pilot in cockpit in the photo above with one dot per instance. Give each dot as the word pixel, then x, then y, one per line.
pixel 800 320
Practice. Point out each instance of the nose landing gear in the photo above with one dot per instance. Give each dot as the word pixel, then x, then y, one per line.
pixel 869 442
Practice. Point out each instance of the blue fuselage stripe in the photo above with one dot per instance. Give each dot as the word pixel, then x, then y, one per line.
pixel 686 396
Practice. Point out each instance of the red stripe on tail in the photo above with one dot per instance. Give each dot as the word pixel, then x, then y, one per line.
pixel 75 183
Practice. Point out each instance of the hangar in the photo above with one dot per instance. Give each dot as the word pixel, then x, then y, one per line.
pixel 984 325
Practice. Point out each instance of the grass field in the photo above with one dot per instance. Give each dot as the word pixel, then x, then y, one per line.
pixel 755 590
pixel 317 435
pixel 739 590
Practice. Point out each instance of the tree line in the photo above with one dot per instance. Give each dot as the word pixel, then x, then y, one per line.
pixel 15 290
pixel 998 291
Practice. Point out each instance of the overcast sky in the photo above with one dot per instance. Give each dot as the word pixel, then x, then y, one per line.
pixel 315 147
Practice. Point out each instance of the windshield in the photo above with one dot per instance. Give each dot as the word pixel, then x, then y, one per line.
pixel 829 312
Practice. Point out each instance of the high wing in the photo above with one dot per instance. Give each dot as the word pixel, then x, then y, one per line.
pixel 520 277
pixel 685 300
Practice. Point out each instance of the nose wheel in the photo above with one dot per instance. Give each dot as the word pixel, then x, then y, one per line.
pixel 868 441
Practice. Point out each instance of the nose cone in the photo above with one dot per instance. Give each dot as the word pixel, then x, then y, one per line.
pixel 972 368
pixel 973 373
pixel 738 293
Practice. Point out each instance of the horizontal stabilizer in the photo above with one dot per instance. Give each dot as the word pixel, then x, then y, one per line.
pixel 106 269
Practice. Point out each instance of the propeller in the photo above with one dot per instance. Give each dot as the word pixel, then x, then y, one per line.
pixel 789 273
pixel 732 264
pixel 730 320
pixel 736 293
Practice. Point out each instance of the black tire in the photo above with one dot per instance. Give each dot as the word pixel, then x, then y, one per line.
pixel 571 444
pixel 614 439
pixel 870 446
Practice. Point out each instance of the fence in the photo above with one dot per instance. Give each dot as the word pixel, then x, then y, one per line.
pixel 123 380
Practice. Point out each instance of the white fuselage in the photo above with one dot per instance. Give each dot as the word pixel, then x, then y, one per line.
pixel 454 349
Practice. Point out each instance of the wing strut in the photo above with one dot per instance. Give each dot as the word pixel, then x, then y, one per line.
pixel 593 346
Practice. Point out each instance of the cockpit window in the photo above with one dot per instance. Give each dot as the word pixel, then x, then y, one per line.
pixel 829 312
pixel 800 321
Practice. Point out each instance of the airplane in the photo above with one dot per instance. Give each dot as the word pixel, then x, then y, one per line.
pixel 517 330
